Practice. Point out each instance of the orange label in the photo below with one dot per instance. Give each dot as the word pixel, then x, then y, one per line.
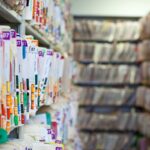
pixel 15 111
pixel 32 88
pixel 8 100
pixel 8 125
pixel 35 42
pixel 32 97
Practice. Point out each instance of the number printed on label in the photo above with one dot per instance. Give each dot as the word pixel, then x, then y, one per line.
pixel 13 34
pixel 6 35
pixel 19 43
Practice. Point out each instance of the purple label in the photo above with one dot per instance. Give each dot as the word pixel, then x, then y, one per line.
pixel 50 53
pixel 58 148
pixel 57 55
pixel 51 94
pixel 19 43
pixel 13 33
pixel 49 131
pixel 41 53
pixel 6 35
pixel 53 137
pixel 1 40
pixel 24 42
pixel 58 142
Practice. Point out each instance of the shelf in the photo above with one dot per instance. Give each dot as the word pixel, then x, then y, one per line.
pixel 110 63
pixel 97 17
pixel 37 35
pixel 106 41
pixel 8 14
pixel 108 85
pixel 114 131
pixel 111 108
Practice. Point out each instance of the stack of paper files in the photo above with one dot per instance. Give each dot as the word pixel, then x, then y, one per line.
pixel 98 52
pixel 111 121
pixel 106 30
pixel 107 74
pixel 107 96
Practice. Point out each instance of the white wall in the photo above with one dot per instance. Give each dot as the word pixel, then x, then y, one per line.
pixel 111 7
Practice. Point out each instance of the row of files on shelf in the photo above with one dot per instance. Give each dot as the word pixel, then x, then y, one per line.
pixel 113 141
pixel 115 97
pixel 112 30
pixel 112 74
pixel 30 76
pixel 114 121
pixel 108 30
pixel 115 52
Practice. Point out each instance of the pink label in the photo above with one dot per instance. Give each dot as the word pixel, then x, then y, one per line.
pixel 18 43
pixel 6 35
pixel 13 34
pixel 24 42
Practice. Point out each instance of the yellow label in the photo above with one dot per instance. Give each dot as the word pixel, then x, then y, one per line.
pixel 3 89
pixel 8 86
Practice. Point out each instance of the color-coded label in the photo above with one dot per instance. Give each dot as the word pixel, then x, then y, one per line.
pixel 6 35
pixel 13 33
pixel 48 131
pixel 41 53
pixel 18 43
pixel 50 53
pixel 24 42
pixel 59 148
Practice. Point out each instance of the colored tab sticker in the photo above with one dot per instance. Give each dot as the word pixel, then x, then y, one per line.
pixel 13 33
pixel 50 53
pixel 6 35
pixel 19 43
pixel 41 53
pixel 24 42
pixel 48 131
pixel 59 148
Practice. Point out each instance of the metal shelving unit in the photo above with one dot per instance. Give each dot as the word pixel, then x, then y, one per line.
pixel 105 41
pixel 115 131
pixel 110 63
pixel 108 109
pixel 107 85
